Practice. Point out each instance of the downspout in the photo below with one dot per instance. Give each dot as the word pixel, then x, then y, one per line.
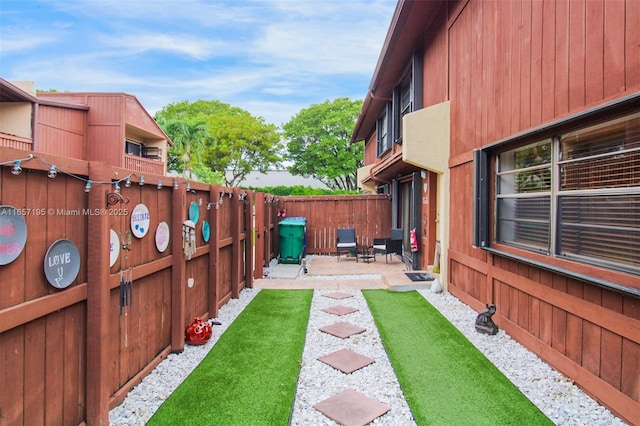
pixel 394 200
pixel 34 126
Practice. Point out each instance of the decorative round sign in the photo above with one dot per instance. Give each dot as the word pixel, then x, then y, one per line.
pixel 61 263
pixel 13 234
pixel 114 247
pixel 162 236
pixel 194 212
pixel 205 231
pixel 140 219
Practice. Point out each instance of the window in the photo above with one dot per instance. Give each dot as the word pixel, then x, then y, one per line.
pixel 523 194
pixel 382 131
pixel 599 194
pixel 405 100
pixel 407 96
pixel 574 195
pixel 132 148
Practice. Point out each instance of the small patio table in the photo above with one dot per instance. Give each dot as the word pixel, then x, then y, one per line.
pixel 365 253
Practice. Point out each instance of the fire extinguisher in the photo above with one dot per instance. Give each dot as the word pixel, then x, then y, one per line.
pixel 413 240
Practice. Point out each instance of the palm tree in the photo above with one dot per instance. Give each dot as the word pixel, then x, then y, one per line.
pixel 189 138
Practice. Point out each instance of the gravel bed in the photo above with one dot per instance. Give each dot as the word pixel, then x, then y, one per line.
pixel 553 393
pixel 561 400
pixel 144 399
pixel 319 381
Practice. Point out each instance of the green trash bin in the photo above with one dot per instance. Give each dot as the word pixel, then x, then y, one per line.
pixel 293 242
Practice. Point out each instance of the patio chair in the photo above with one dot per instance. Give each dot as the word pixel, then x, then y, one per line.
pixel 346 241
pixel 389 246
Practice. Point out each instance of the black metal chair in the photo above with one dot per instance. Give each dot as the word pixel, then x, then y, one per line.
pixel 389 246
pixel 346 242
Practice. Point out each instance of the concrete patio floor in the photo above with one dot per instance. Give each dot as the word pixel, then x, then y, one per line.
pixel 327 272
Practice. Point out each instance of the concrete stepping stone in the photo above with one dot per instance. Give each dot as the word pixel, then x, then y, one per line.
pixel 340 310
pixel 346 360
pixel 342 329
pixel 351 408
pixel 338 295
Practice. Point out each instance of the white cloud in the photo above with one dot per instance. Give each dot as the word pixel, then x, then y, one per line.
pixel 270 57
pixel 181 44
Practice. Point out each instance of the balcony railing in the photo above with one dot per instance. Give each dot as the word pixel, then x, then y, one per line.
pixel 143 165
pixel 18 142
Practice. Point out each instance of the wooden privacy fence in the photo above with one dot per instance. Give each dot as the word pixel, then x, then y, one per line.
pixel 72 345
pixel 370 215
pixel 71 351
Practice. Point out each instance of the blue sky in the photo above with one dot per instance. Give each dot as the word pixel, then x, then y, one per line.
pixel 269 57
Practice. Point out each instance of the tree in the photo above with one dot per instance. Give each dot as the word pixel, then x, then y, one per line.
pixel 243 143
pixel 190 139
pixel 319 143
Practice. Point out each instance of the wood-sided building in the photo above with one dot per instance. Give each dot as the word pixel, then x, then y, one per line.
pixel 110 127
pixel 508 134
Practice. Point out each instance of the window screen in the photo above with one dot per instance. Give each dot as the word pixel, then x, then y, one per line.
pixel 575 195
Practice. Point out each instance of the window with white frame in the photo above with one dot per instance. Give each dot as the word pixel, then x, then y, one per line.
pixel 574 195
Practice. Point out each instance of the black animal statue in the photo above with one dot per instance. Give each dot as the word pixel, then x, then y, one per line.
pixel 484 323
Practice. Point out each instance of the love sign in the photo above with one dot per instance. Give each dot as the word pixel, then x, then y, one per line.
pixel 62 263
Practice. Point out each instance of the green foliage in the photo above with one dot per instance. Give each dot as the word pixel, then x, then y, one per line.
pixel 249 377
pixel 190 138
pixel 233 140
pixel 319 143
pixel 205 174
pixel 300 190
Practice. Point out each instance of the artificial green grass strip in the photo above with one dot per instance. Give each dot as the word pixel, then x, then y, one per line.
pixel 249 377
pixel 445 379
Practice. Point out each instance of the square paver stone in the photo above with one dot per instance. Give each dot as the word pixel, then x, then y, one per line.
pixel 351 408
pixel 340 310
pixel 342 329
pixel 346 361
pixel 338 295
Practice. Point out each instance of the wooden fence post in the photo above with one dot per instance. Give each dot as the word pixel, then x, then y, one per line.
pixel 178 295
pixel 236 229
pixel 247 203
pixel 259 248
pixel 98 297
pixel 214 251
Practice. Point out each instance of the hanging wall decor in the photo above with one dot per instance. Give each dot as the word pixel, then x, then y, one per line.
pixel 114 247
pixel 140 219
pixel 194 212
pixel 206 232
pixel 62 263
pixel 162 236
pixel 13 234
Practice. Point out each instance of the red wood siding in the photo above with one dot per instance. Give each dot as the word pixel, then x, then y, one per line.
pixel 99 133
pixel 61 131
pixel 514 66
pixel 138 117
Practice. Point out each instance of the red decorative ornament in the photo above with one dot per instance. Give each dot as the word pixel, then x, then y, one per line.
pixel 413 240
pixel 198 332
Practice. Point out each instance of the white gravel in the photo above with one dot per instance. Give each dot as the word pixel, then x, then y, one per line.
pixel 562 401
pixel 144 399
pixel 553 393
pixel 319 381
